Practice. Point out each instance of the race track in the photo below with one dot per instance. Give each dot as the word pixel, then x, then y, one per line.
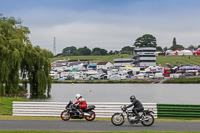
pixel 77 125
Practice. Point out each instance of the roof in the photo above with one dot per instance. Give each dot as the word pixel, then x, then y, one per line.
pixel 92 64
pixel 102 63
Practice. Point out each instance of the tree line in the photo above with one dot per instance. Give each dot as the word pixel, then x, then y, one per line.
pixel 73 51
pixel 17 55
pixel 146 40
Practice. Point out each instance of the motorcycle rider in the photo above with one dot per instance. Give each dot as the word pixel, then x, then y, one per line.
pixel 137 106
pixel 80 104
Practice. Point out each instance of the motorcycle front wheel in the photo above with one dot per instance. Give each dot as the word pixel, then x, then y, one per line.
pixel 117 119
pixel 148 120
pixel 91 117
pixel 65 115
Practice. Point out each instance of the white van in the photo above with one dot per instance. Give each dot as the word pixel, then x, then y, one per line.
pixel 151 76
pixel 159 75
pixel 143 72
pixel 140 76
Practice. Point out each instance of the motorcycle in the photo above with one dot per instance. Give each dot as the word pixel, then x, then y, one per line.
pixel 146 118
pixel 72 112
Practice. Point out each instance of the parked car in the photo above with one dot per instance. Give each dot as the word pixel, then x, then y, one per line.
pixel 158 75
pixel 140 76
pixel 151 76
pixel 188 74
pixel 104 76
pixel 115 77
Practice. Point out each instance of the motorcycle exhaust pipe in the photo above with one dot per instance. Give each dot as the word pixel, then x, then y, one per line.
pixel 86 114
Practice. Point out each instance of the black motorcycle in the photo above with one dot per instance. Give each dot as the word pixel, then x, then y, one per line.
pixel 72 112
pixel 146 118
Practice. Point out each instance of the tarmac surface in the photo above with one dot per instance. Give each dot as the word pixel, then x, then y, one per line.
pixel 78 125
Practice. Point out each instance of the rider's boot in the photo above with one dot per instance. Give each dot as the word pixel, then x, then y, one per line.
pixel 80 113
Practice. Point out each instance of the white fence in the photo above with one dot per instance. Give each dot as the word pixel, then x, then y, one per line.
pixel 54 109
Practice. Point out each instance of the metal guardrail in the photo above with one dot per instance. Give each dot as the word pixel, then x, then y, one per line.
pixel 178 111
pixel 54 109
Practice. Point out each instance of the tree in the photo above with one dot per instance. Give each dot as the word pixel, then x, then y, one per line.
pixel 192 47
pixel 146 40
pixel 165 49
pixel 103 52
pixel 84 51
pixel 174 42
pixel 15 48
pixel 68 50
pixel 127 50
pixel 111 52
pixel 96 53
pixel 13 38
pixel 96 49
pixel 158 48
pixel 99 50
pixel 37 69
pixel 116 52
pixel 176 46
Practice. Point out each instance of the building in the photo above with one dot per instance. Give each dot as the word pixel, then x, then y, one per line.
pixel 122 62
pixel 144 57
pixel 105 65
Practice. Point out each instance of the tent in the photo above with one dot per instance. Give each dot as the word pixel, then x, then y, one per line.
pixel 185 52
pixel 74 70
pixel 128 66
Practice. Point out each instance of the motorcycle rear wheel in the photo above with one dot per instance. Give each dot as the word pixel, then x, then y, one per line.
pixel 65 115
pixel 92 117
pixel 117 119
pixel 148 120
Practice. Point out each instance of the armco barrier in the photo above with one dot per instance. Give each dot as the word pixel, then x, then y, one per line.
pixel 103 109
pixel 178 111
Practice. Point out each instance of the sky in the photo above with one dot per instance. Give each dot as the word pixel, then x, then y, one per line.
pixel 108 24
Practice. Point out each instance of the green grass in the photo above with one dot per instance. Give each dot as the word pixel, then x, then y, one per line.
pixel 183 80
pixel 9 117
pixel 6 105
pixel 163 60
pixel 18 131
pixel 96 59
pixel 177 60
pixel 107 81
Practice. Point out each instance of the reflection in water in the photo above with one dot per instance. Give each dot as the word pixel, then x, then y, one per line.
pixel 39 97
pixel 146 93
pixel 35 97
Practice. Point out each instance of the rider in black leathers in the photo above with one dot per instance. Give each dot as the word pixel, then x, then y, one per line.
pixel 137 106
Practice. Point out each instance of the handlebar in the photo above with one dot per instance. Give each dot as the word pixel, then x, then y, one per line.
pixel 123 108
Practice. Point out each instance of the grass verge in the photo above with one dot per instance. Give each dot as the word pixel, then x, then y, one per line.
pixel 8 117
pixel 10 131
pixel 6 104
pixel 107 81
pixel 6 113
pixel 183 80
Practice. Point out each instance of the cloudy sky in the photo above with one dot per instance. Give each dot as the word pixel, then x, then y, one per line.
pixel 108 24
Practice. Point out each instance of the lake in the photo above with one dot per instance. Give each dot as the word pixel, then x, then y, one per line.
pixel 146 93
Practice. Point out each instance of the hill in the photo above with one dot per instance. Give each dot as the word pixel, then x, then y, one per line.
pixel 96 59
pixel 163 60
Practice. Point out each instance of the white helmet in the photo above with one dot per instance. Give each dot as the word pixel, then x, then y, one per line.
pixel 78 96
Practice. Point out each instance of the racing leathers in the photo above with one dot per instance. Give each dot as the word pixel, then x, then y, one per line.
pixel 81 104
pixel 137 107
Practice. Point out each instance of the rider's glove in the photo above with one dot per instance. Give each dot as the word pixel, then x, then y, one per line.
pixel 124 108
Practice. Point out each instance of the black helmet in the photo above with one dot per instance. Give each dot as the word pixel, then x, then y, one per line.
pixel 132 98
